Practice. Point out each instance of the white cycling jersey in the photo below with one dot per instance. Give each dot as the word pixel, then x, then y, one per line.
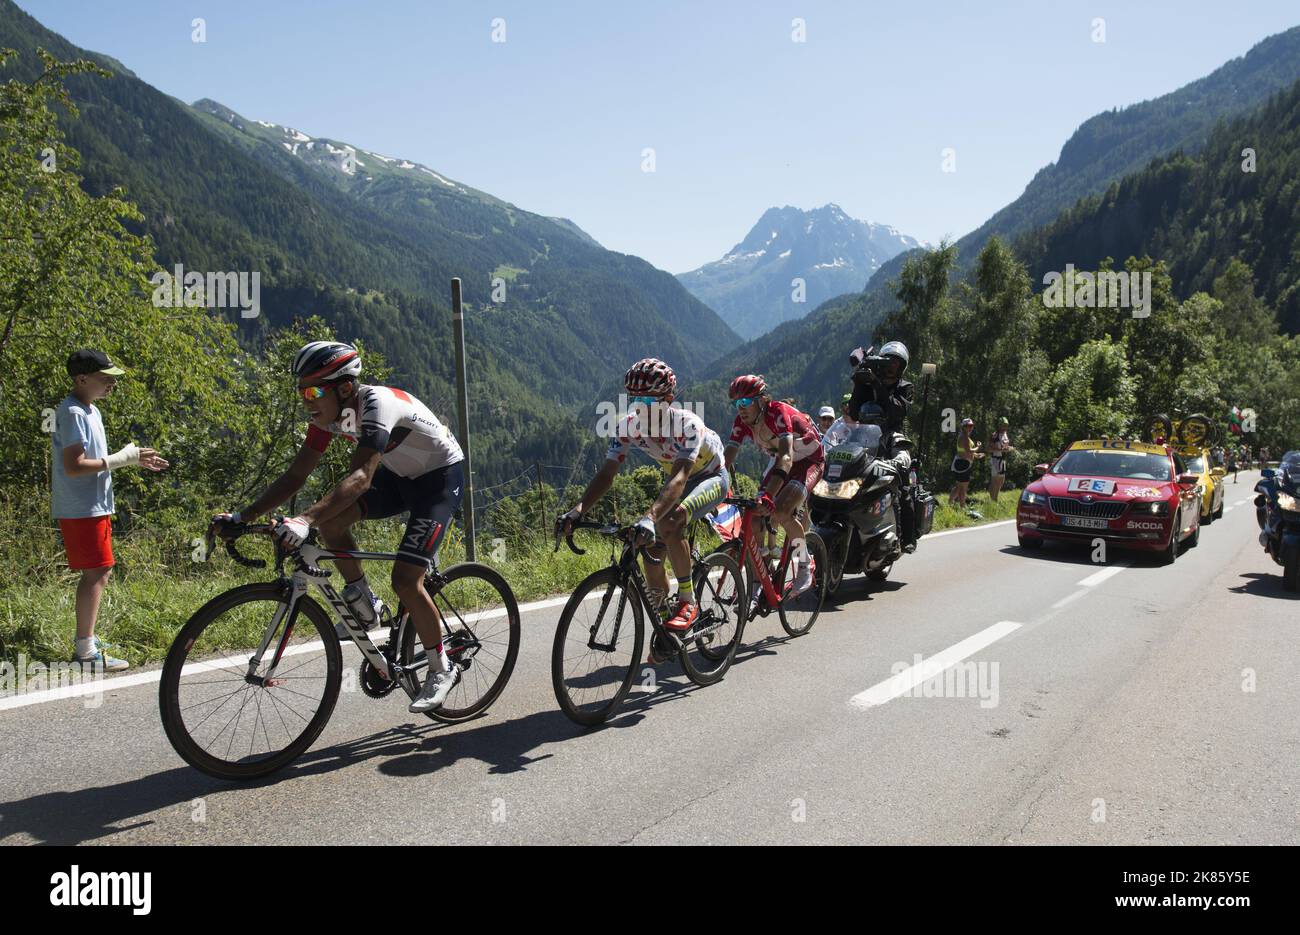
pixel 681 434
pixel 409 438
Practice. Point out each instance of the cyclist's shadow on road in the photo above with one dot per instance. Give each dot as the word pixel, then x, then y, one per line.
pixel 418 749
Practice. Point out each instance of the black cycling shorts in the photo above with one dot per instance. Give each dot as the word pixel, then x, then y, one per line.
pixel 431 499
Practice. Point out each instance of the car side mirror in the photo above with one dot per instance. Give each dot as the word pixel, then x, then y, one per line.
pixel 1219 472
pixel 1040 470
pixel 1188 480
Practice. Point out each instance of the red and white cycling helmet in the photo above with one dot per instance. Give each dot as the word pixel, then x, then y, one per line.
pixel 749 385
pixel 651 377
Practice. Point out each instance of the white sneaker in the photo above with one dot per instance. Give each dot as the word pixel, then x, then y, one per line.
pixel 435 691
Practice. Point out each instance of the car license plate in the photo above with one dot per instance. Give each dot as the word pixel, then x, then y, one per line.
pixel 1085 522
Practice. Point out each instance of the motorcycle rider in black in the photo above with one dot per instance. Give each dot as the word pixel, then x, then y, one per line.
pixel 878 379
pixel 893 457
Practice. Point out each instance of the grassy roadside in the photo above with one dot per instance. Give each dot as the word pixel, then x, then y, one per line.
pixel 948 517
pixel 157 584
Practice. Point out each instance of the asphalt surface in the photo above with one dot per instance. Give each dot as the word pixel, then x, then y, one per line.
pixel 1124 703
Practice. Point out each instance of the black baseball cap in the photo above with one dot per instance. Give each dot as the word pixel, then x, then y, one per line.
pixel 89 361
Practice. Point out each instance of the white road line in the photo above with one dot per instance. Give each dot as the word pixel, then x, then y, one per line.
pixel 1093 580
pixel 1239 503
pixel 1072 597
pixel 953 532
pixel 1228 509
pixel 912 676
pixel 115 683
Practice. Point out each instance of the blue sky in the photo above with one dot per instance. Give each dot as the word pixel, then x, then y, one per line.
pixel 740 117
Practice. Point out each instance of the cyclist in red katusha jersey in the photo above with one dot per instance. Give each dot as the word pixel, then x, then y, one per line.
pixel 790 437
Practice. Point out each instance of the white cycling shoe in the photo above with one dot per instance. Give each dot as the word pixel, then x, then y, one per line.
pixel 804 580
pixel 435 691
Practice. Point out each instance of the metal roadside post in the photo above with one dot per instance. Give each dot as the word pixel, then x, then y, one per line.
pixel 462 411
pixel 927 371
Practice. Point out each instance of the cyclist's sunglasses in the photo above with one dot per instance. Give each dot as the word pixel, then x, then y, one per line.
pixel 743 401
pixel 642 400
pixel 313 392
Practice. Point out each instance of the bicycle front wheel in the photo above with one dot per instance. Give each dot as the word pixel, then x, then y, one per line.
pixel 480 632
pixel 597 647
pixel 800 612
pixel 235 720
pixel 708 649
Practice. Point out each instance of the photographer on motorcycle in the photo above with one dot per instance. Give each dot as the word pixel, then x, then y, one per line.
pixel 894 456
pixel 878 378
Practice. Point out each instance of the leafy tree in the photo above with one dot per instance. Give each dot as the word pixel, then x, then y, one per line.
pixel 1092 394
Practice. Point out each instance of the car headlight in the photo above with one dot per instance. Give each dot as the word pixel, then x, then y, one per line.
pixel 1288 502
pixel 1029 498
pixel 1158 508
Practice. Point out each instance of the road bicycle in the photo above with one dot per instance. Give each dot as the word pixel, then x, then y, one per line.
pixel 236 713
pixel 768 589
pixel 600 635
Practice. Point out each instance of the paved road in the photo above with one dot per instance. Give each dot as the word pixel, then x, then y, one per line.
pixel 1117 704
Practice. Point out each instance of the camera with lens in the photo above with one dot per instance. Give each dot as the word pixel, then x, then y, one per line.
pixel 867 365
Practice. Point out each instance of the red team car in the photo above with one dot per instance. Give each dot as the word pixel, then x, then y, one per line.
pixel 1128 493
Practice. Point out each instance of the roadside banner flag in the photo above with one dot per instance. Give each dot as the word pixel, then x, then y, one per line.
pixel 1234 421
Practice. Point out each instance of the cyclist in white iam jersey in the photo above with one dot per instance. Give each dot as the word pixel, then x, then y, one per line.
pixel 405 460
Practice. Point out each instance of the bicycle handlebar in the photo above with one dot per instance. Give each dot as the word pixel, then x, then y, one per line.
pixel 239 530
pixel 605 529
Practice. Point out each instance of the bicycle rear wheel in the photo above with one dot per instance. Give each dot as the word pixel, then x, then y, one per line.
pixel 597 647
pixel 720 594
pixel 799 613
pixel 235 724
pixel 480 619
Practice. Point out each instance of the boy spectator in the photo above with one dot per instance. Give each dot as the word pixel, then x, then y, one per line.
pixel 82 493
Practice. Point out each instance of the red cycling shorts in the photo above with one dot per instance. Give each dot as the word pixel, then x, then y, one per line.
pixel 88 542
pixel 805 473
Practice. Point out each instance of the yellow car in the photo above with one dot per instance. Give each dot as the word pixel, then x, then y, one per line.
pixel 1188 439
pixel 1197 461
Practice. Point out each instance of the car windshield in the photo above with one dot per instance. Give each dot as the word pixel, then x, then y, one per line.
pixel 1196 464
pixel 1136 465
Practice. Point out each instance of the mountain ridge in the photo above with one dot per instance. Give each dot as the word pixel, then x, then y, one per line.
pixel 755 286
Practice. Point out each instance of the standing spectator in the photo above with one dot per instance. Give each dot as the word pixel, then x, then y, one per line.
pixel 1263 457
pixel 967 452
pixel 1232 462
pixel 82 493
pixel 998 450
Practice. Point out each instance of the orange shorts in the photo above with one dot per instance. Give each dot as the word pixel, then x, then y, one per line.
pixel 88 542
